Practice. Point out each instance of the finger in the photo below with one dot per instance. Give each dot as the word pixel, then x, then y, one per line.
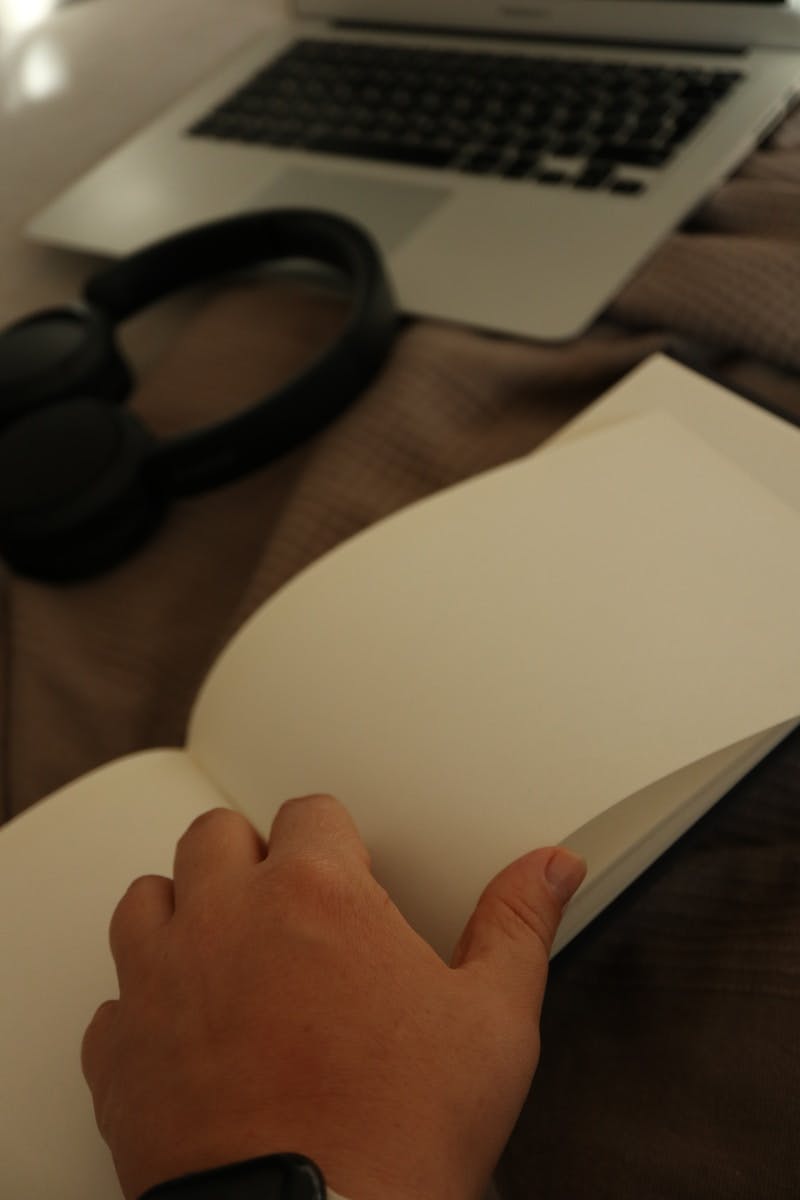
pixel 95 1046
pixel 216 849
pixel 318 826
pixel 510 934
pixel 147 906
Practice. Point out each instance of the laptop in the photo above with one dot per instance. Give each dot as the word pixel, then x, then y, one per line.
pixel 516 160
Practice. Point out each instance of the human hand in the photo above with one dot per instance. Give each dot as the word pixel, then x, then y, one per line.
pixel 278 1001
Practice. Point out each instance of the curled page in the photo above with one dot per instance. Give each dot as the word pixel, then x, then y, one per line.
pixel 491 668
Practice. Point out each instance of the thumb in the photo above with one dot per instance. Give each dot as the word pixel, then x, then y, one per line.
pixel 510 934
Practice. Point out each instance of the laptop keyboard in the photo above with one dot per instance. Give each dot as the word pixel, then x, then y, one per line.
pixel 572 122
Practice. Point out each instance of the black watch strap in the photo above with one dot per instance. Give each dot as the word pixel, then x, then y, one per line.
pixel 273 1177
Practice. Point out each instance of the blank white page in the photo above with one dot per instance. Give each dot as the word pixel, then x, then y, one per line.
pixel 491 668
pixel 64 864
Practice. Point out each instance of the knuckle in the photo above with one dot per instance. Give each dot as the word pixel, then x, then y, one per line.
pixel 313 874
pixel 101 1015
pixel 133 895
pixel 213 818
pixel 315 883
pixel 132 907
pixel 143 884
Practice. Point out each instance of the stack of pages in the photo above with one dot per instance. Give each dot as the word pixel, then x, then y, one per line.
pixel 589 646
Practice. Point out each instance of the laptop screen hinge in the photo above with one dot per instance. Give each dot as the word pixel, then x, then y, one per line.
pixel 533 38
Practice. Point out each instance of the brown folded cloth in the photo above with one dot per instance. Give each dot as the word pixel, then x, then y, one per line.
pixel 671 1059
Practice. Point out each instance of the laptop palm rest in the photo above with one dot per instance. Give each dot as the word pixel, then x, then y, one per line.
pixel 389 210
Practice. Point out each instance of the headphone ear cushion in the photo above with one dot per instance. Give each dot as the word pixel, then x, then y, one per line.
pixel 76 494
pixel 57 354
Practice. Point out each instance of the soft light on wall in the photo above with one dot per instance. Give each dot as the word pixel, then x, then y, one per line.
pixel 18 15
pixel 32 66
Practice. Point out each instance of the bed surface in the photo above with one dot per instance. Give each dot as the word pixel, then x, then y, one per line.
pixel 671 1055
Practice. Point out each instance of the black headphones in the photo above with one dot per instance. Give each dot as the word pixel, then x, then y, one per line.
pixel 83 482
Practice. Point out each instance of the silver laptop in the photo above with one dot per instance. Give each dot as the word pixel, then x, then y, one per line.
pixel 516 160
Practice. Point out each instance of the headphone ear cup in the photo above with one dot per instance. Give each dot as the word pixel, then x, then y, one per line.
pixel 76 491
pixel 57 354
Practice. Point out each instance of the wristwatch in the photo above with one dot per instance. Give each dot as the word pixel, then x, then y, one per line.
pixel 272 1177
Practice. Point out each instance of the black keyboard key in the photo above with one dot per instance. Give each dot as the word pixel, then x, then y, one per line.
pixel 611 127
pixel 574 124
pixel 685 125
pixel 534 144
pixel 722 81
pixel 410 153
pixel 638 154
pixel 520 168
pixel 551 176
pixel 482 162
pixel 568 147
pixel 594 174
pixel 648 131
pixel 628 187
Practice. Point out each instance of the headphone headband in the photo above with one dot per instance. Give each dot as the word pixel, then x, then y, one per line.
pixel 228 245
pixel 205 458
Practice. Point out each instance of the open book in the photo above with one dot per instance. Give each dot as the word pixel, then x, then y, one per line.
pixel 589 645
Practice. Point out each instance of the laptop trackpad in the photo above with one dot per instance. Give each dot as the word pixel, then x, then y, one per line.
pixel 390 210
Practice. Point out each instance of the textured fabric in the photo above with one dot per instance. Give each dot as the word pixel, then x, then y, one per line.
pixel 671 1060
